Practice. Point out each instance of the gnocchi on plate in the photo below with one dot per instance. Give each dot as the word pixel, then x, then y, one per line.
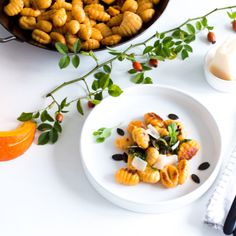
pixel 157 150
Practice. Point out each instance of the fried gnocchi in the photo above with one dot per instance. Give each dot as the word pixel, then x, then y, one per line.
pixel 114 19
pixel 154 153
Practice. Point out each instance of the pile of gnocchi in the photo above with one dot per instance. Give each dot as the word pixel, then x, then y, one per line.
pixel 94 22
pixel 157 150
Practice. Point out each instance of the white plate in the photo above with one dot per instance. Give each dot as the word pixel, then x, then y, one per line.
pixel 132 104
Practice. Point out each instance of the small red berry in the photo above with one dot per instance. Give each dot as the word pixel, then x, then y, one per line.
pixel 137 66
pixel 90 104
pixel 153 62
pixel 234 25
pixel 211 37
pixel 59 117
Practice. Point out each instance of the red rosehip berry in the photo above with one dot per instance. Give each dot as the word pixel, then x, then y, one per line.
pixel 90 104
pixel 59 117
pixel 234 25
pixel 153 62
pixel 137 66
pixel 211 37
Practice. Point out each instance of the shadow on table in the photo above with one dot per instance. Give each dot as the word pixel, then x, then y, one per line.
pixel 69 169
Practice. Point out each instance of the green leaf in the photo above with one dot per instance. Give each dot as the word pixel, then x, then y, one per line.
pixel 61 48
pixel 172 129
pixel 104 81
pixel 148 80
pixel 115 53
pixel 75 61
pixel 79 107
pixel 95 85
pixel 204 21
pixel 95 102
pixel 167 40
pixel 45 116
pixel 138 79
pixel 176 34
pixel 100 140
pixel 198 25
pixel 146 68
pixel 210 28
pixel 36 115
pixel 114 90
pixel 98 96
pixel 53 135
pixel 190 28
pixel 107 69
pixel 132 71
pixel 99 75
pixel 121 57
pixel 43 138
pixel 188 48
pixel 162 35
pixel 157 43
pixel 184 54
pixel 44 126
pixel 25 116
pixel 77 46
pixel 190 38
pixel 147 49
pixel 106 133
pixel 64 62
pixel 63 103
pixel 233 15
pixel 178 48
pixel 57 126
pixel 99 131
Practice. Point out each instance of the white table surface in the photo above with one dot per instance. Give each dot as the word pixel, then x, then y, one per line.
pixel 45 191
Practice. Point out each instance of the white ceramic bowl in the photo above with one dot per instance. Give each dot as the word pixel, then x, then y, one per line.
pixel 217 83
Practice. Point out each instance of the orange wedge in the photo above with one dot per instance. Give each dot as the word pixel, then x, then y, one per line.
pixel 14 143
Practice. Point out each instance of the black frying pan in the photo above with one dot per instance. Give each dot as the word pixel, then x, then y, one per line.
pixel 11 25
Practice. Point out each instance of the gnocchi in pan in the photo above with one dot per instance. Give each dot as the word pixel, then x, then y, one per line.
pixel 95 22
pixel 156 150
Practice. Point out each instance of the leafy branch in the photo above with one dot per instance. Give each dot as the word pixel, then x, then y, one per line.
pixel 160 46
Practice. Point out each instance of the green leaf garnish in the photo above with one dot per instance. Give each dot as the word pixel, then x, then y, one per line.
pixel 173 133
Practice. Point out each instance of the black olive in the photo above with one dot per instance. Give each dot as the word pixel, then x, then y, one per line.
pixel 125 157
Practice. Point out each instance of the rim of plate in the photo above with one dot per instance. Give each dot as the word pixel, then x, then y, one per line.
pixel 189 197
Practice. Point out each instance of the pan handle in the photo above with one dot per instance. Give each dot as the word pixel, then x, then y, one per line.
pixel 7 39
